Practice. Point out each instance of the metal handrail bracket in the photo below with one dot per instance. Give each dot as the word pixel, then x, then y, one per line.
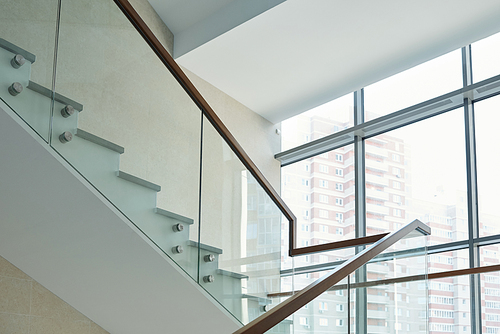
pixel 279 313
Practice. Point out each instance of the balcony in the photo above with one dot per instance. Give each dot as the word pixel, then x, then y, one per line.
pixel 376 151
pixel 377 299
pixel 377 180
pixel 379 224
pixel 377 209
pixel 378 195
pixel 372 314
pixel 379 166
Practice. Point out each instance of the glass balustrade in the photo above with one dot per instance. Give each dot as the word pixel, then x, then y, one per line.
pixel 27 46
pixel 93 89
pixel 386 295
pixel 239 218
pixel 137 135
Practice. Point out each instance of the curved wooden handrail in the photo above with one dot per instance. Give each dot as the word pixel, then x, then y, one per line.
pixel 279 313
pixel 209 113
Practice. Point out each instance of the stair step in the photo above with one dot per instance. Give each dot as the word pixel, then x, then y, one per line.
pixel 138 180
pixel 205 247
pixel 99 141
pixel 58 97
pixel 231 274
pixel 260 300
pixel 175 216
pixel 17 50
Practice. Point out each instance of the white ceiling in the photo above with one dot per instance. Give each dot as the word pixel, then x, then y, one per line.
pixel 280 58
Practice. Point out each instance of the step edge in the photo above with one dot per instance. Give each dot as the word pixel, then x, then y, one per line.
pixel 174 215
pixel 204 246
pixel 138 180
pixel 58 97
pixel 265 300
pixel 17 50
pixel 99 141
pixel 231 274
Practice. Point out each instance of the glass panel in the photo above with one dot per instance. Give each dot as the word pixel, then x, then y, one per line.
pixel 319 262
pixel 284 327
pixel 396 307
pixel 488 160
pixel 418 172
pixel 328 313
pixel 131 101
pixel 320 190
pixel 318 122
pixel 241 220
pixel 420 83
pixel 449 305
pixel 489 255
pixel 405 258
pixel 28 29
pixel 386 307
pixel 447 261
pixel 490 306
pixel 484 58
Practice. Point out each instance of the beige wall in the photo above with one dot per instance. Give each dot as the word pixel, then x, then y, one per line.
pixel 255 134
pixel 27 307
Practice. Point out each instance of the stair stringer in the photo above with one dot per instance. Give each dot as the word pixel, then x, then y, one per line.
pixel 63 233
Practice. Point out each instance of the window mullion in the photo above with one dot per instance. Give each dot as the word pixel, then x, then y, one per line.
pixel 472 195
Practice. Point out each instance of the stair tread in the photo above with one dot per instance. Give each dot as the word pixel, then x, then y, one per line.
pixel 138 180
pixel 58 97
pixel 17 50
pixel 205 247
pixel 262 300
pixel 99 141
pixel 175 216
pixel 231 274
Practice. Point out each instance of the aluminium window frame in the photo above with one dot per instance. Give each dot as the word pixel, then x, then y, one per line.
pixel 356 135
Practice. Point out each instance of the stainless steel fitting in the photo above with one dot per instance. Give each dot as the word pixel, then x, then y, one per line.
pixel 209 258
pixel 208 279
pixel 15 89
pixel 177 249
pixel 65 137
pixel 178 228
pixel 17 61
pixel 67 111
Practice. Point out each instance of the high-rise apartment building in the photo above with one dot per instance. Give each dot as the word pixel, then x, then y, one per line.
pixel 321 190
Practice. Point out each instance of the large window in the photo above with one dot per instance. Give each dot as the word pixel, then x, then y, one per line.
pixel 488 162
pixel 425 157
pixel 429 173
pixel 423 82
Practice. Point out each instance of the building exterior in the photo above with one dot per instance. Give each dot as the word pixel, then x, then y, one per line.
pixel 321 190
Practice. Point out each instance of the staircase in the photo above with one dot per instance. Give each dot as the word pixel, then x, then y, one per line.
pixel 97 162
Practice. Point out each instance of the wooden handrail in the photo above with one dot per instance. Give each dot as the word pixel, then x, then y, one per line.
pixel 339 244
pixel 279 313
pixel 209 113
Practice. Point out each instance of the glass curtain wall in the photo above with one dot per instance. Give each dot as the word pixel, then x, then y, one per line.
pixel 417 148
